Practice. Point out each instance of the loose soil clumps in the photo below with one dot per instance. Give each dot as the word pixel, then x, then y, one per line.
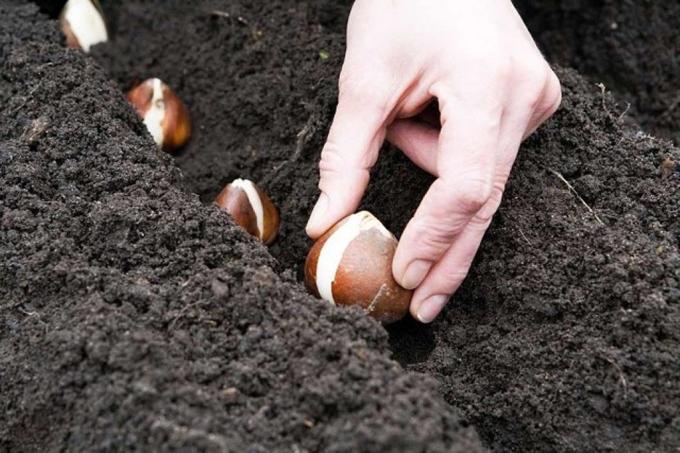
pixel 136 314
pixel 135 317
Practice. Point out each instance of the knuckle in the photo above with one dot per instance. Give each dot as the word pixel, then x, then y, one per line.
pixel 472 193
pixel 331 158
pixel 484 216
pixel 536 71
pixel 553 93
pixel 432 234
pixel 366 91
pixel 335 159
pixel 534 78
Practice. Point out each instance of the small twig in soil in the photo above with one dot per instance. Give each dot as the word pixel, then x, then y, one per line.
pixel 671 107
pixel 26 99
pixel 603 89
pixel 219 13
pixel 184 309
pixel 525 237
pixel 29 313
pixel 181 314
pixel 46 65
pixel 619 370
pixel 318 83
pixel 303 137
pixel 624 112
pixel 571 188
pixel 34 314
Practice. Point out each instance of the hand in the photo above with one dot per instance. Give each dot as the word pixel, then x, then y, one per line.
pixel 493 87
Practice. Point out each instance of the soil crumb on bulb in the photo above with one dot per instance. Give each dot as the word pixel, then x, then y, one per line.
pixel 82 22
pixel 351 264
pixel 163 113
pixel 251 209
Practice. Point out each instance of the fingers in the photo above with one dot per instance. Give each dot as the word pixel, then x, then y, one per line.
pixel 446 276
pixel 418 141
pixel 352 147
pixel 466 162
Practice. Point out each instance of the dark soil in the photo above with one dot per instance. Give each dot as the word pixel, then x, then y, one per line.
pixel 633 47
pixel 133 315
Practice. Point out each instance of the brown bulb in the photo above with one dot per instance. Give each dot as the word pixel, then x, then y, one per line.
pixel 351 264
pixel 82 22
pixel 163 113
pixel 250 208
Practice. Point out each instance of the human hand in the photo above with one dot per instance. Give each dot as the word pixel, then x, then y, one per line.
pixel 493 87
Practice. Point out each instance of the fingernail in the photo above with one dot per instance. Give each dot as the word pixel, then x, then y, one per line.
pixel 320 208
pixel 430 308
pixel 415 273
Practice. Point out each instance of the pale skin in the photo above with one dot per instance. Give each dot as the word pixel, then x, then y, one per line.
pixel 493 88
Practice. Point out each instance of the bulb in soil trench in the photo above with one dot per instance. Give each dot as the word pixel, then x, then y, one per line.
pixel 251 209
pixel 82 22
pixel 163 113
pixel 351 264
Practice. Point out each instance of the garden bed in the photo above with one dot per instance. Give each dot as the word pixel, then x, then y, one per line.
pixel 135 314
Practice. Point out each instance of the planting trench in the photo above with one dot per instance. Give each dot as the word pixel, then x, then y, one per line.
pixel 135 314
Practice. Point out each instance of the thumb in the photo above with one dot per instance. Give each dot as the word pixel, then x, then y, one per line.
pixel 352 147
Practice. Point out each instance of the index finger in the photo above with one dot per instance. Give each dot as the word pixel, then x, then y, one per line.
pixel 357 132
